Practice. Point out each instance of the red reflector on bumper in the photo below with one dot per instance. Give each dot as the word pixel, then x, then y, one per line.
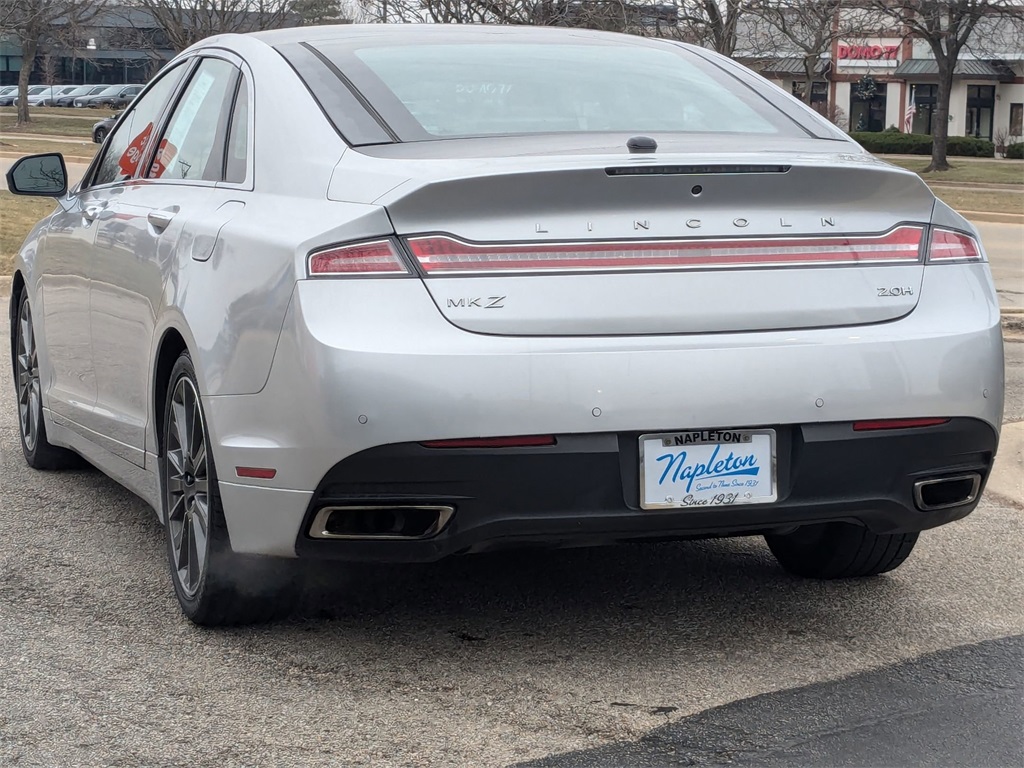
pixel 866 426
pixel 261 473
pixel 492 442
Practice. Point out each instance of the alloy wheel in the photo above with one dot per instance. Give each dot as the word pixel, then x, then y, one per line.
pixel 188 486
pixel 27 362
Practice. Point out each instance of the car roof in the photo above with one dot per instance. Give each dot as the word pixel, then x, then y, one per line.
pixel 409 33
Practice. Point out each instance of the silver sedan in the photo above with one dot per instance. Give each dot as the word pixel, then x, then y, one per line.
pixel 398 293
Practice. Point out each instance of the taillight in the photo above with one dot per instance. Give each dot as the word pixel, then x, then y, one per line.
pixel 948 245
pixel 379 257
pixel 442 254
pixel 869 426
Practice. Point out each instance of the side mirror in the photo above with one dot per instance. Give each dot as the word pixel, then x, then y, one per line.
pixel 39 176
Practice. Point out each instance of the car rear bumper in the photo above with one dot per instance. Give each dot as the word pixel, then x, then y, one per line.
pixel 366 364
pixel 584 490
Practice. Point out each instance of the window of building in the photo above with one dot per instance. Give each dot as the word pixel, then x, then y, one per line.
pixel 981 102
pixel 867 114
pixel 819 92
pixel 1017 120
pixel 924 97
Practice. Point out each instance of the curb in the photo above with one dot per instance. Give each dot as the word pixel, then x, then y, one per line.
pixel 1007 478
pixel 988 186
pixel 992 216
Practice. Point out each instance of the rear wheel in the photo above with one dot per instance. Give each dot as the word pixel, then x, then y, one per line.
pixel 99 135
pixel 840 550
pixel 214 585
pixel 39 453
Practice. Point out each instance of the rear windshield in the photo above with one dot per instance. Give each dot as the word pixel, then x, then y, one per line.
pixel 457 90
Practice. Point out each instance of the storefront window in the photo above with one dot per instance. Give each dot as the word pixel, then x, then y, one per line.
pixel 1017 120
pixel 981 101
pixel 924 100
pixel 867 114
pixel 819 93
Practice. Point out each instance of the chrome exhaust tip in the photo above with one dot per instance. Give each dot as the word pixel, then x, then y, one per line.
pixel 385 522
pixel 946 492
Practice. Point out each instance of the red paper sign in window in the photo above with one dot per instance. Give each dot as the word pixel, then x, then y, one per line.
pixel 164 156
pixel 133 154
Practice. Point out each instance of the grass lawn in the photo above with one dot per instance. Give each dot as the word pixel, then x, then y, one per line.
pixel 975 172
pixel 17 216
pixel 53 111
pixel 52 121
pixel 75 151
pixel 977 200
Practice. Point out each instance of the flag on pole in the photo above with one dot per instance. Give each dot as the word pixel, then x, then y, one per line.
pixel 908 116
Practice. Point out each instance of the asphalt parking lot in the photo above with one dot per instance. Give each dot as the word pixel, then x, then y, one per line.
pixel 613 655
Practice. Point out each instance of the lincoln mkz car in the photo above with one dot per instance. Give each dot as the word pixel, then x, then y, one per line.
pixel 399 293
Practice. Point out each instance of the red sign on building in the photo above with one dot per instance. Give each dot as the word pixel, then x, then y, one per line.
pixel 883 52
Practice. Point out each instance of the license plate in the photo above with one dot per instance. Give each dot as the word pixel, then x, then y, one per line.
pixel 707 468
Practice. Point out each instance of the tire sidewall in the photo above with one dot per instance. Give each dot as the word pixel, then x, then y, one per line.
pixel 191 606
pixel 30 455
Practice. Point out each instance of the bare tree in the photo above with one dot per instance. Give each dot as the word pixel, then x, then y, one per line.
pixel 714 23
pixel 188 21
pixel 947 27
pixel 644 18
pixel 318 11
pixel 809 28
pixel 32 21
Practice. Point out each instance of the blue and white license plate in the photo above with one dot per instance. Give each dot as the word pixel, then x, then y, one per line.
pixel 707 468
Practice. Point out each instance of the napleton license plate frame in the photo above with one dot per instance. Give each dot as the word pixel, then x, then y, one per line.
pixel 696 435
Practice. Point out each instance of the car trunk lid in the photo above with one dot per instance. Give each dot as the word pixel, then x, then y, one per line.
pixel 629 245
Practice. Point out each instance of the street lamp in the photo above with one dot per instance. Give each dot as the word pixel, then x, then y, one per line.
pixel 89 46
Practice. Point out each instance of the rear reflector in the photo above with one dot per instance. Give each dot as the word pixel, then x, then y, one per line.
pixel 438 255
pixel 377 257
pixel 493 442
pixel 948 245
pixel 260 473
pixel 867 426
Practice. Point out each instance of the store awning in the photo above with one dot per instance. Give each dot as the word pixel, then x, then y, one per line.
pixel 786 66
pixel 966 69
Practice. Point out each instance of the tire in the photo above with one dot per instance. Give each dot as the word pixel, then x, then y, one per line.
pixel 215 586
pixel 38 451
pixel 99 135
pixel 840 551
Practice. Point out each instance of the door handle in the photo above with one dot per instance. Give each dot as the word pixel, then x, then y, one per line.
pixel 160 219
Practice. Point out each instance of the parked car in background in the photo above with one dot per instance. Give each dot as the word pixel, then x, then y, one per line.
pixel 102 128
pixel 423 302
pixel 8 89
pixel 49 94
pixel 12 97
pixel 118 100
pixel 68 99
pixel 107 91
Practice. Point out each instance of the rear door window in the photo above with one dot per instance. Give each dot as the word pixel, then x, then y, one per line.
pixel 192 146
pixel 237 157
